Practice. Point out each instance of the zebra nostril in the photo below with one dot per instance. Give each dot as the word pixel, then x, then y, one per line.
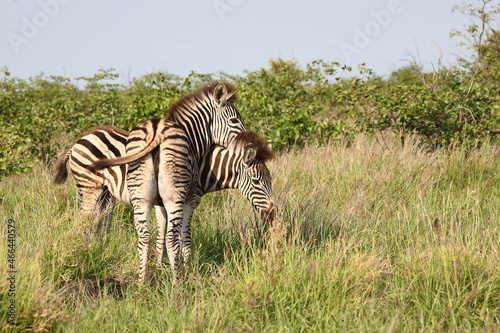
pixel 273 207
pixel 269 214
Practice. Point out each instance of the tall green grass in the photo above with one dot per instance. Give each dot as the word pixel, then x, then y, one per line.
pixel 369 238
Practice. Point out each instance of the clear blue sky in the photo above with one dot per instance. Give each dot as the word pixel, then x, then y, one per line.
pixel 73 38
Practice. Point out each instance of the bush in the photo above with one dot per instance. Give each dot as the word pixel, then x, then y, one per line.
pixel 285 103
pixel 289 105
pixel 440 108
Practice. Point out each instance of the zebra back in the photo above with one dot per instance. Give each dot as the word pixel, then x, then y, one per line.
pixel 141 141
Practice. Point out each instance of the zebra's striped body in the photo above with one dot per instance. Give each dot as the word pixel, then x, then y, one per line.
pixel 101 188
pixel 206 117
pixel 241 165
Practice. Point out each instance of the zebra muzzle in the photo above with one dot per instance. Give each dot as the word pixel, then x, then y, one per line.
pixel 269 214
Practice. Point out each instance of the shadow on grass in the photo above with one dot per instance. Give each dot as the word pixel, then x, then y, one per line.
pixel 309 223
pixel 90 272
pixel 94 289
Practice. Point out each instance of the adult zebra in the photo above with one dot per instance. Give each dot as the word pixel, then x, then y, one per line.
pixel 102 188
pixel 241 165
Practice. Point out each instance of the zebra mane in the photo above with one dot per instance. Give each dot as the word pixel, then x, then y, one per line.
pixel 264 150
pixel 205 92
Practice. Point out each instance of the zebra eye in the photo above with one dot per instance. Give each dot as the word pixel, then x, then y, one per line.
pixel 234 120
pixel 255 181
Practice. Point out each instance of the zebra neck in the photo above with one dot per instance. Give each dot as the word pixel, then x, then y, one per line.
pixel 218 170
pixel 196 127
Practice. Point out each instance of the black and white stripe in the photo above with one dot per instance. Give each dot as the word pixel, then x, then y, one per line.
pixel 241 165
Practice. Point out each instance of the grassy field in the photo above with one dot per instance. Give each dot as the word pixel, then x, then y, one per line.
pixel 369 238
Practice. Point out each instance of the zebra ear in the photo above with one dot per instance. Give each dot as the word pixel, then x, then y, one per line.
pixel 220 94
pixel 249 154
pixel 269 146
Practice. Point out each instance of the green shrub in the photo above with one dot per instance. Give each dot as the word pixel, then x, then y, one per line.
pixel 285 103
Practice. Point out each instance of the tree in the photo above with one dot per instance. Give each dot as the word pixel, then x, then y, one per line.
pixel 482 38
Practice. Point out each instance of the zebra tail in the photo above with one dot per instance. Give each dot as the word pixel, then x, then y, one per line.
pixel 110 162
pixel 61 170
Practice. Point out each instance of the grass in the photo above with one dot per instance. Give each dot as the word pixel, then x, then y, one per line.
pixel 369 238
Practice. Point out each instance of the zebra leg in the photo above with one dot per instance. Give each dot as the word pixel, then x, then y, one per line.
pixel 189 208
pixel 108 217
pixel 161 218
pixel 142 210
pixel 174 210
pixel 106 207
pixel 89 199
pixel 175 178
pixel 173 200
pixel 143 188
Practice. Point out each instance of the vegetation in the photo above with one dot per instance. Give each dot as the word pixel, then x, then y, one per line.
pixel 388 212
pixel 377 239
pixel 286 103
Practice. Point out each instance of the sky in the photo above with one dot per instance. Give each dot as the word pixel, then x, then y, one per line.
pixel 73 38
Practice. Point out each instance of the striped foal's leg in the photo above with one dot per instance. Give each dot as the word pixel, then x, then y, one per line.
pixel 174 207
pixel 189 208
pixel 143 188
pixel 161 218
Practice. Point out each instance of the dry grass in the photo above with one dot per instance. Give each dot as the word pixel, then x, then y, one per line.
pixel 369 238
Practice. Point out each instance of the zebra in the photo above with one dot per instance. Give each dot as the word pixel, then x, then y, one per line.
pixel 96 189
pixel 241 165
pixel 205 117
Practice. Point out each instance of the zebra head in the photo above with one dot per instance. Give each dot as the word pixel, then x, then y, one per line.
pixel 226 120
pixel 254 178
pixel 208 116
